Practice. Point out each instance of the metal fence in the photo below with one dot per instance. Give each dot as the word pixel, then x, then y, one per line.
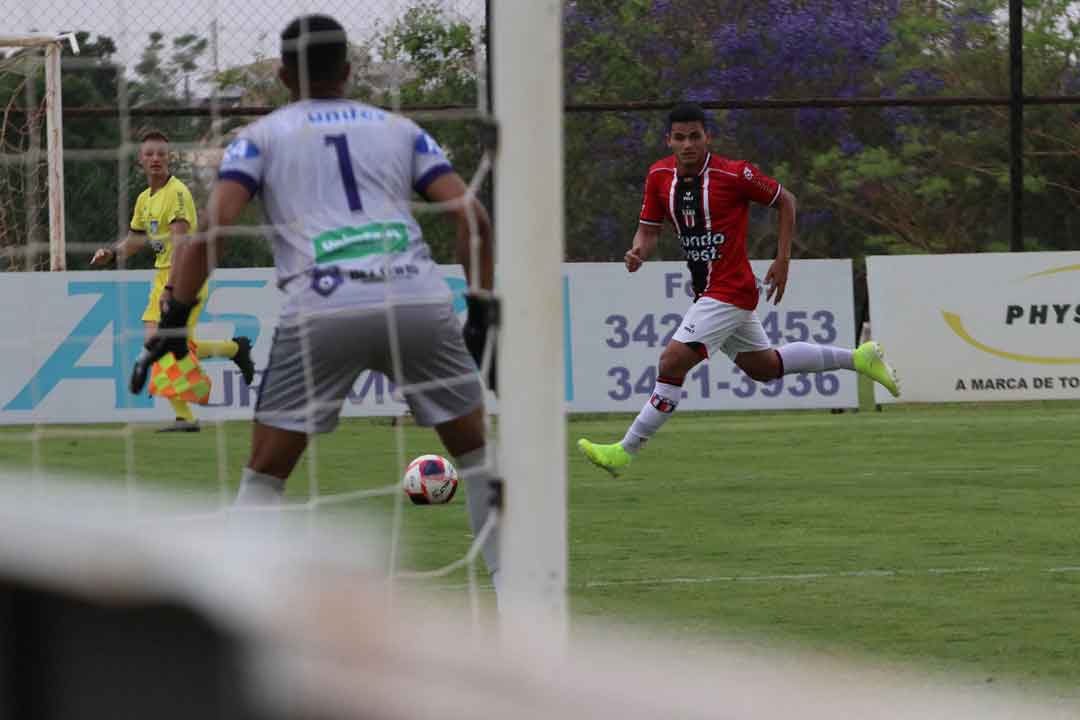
pixel 901 126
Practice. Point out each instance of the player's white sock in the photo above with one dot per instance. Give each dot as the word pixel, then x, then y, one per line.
pixel 259 489
pixel 807 357
pixel 477 474
pixel 660 406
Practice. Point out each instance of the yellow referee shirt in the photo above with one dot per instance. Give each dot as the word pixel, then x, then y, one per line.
pixel 155 211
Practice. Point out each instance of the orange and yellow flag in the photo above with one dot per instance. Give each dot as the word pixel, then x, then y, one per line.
pixel 182 378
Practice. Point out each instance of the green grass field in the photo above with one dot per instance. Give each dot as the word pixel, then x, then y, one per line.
pixel 944 537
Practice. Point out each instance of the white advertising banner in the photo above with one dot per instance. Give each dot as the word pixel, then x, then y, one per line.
pixel 621 321
pixel 70 339
pixel 993 326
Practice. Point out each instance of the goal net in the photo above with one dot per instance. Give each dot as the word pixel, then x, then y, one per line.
pixel 124 562
pixel 107 613
pixel 67 386
pixel 31 172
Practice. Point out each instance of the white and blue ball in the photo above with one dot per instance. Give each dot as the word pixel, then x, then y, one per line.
pixel 430 480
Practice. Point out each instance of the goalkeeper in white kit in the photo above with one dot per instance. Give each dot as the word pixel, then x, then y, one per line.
pixel 336 179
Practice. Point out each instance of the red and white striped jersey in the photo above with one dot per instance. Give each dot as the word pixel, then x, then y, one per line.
pixel 710 212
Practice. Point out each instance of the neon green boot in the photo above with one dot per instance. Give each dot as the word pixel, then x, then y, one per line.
pixel 609 457
pixel 870 361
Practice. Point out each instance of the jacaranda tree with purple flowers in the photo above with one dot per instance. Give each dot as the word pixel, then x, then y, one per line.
pixel 868 180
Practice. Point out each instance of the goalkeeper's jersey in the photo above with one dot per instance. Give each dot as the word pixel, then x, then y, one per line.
pixel 336 179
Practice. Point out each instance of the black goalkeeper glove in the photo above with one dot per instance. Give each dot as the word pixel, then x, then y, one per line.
pixel 171 337
pixel 483 313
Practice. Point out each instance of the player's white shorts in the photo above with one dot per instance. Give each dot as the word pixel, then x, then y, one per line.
pixel 722 327
pixel 315 361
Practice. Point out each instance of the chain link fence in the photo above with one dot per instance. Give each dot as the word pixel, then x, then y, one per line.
pixel 888 119
pixel 200 70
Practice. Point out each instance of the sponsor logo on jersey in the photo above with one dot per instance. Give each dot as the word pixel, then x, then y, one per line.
pixel 351 242
pixel 689 217
pixel 348 115
pixel 153 227
pixel 240 149
pixel 704 240
pixel 704 247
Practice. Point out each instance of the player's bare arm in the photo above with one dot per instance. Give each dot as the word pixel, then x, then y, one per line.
pixel 199 254
pixel 776 277
pixel 479 264
pixel 133 243
pixel 644 246
pixel 472 220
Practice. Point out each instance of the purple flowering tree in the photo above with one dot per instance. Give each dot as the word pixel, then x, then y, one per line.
pixel 868 180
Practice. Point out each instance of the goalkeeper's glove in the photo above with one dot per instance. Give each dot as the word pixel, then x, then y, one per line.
pixel 171 337
pixel 483 313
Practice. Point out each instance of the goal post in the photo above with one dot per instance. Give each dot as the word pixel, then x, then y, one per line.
pixel 527 77
pixel 54 132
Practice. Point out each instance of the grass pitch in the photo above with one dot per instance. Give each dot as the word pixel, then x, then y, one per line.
pixel 941 536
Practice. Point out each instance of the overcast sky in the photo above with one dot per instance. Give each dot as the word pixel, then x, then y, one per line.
pixel 244 26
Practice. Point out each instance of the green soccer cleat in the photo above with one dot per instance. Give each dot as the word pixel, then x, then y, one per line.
pixel 609 457
pixel 870 361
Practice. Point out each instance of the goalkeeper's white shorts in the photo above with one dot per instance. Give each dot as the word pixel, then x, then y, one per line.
pixel 435 373
pixel 721 327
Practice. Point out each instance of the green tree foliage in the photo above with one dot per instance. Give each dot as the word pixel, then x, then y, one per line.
pixel 869 180
pixel 431 58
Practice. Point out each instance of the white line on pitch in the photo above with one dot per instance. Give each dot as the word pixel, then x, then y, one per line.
pixel 792 577
pixel 787 577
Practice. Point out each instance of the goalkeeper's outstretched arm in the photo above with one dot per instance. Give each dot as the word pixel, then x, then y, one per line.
pixel 472 220
pixel 198 257
pixel 479 263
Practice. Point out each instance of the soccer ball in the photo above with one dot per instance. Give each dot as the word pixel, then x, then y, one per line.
pixel 430 480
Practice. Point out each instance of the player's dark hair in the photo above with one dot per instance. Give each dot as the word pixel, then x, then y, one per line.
pixel 152 134
pixel 321 40
pixel 687 112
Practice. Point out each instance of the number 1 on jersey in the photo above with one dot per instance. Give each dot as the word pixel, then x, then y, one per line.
pixel 341 145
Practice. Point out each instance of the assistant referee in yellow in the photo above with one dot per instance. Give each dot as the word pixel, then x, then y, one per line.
pixel 164 214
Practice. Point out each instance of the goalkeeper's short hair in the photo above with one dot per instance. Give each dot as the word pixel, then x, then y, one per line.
pixel 321 41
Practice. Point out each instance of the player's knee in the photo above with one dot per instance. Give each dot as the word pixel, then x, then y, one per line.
pixel 463 434
pixel 677 359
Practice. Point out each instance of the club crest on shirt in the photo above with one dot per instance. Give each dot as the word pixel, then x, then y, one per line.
pixel 689 214
pixel 153 227
pixel 748 173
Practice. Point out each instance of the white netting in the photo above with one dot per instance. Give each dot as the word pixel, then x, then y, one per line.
pixel 24 172
pixel 217 58
pixel 294 622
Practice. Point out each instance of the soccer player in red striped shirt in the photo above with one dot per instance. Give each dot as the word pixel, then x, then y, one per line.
pixel 707 198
